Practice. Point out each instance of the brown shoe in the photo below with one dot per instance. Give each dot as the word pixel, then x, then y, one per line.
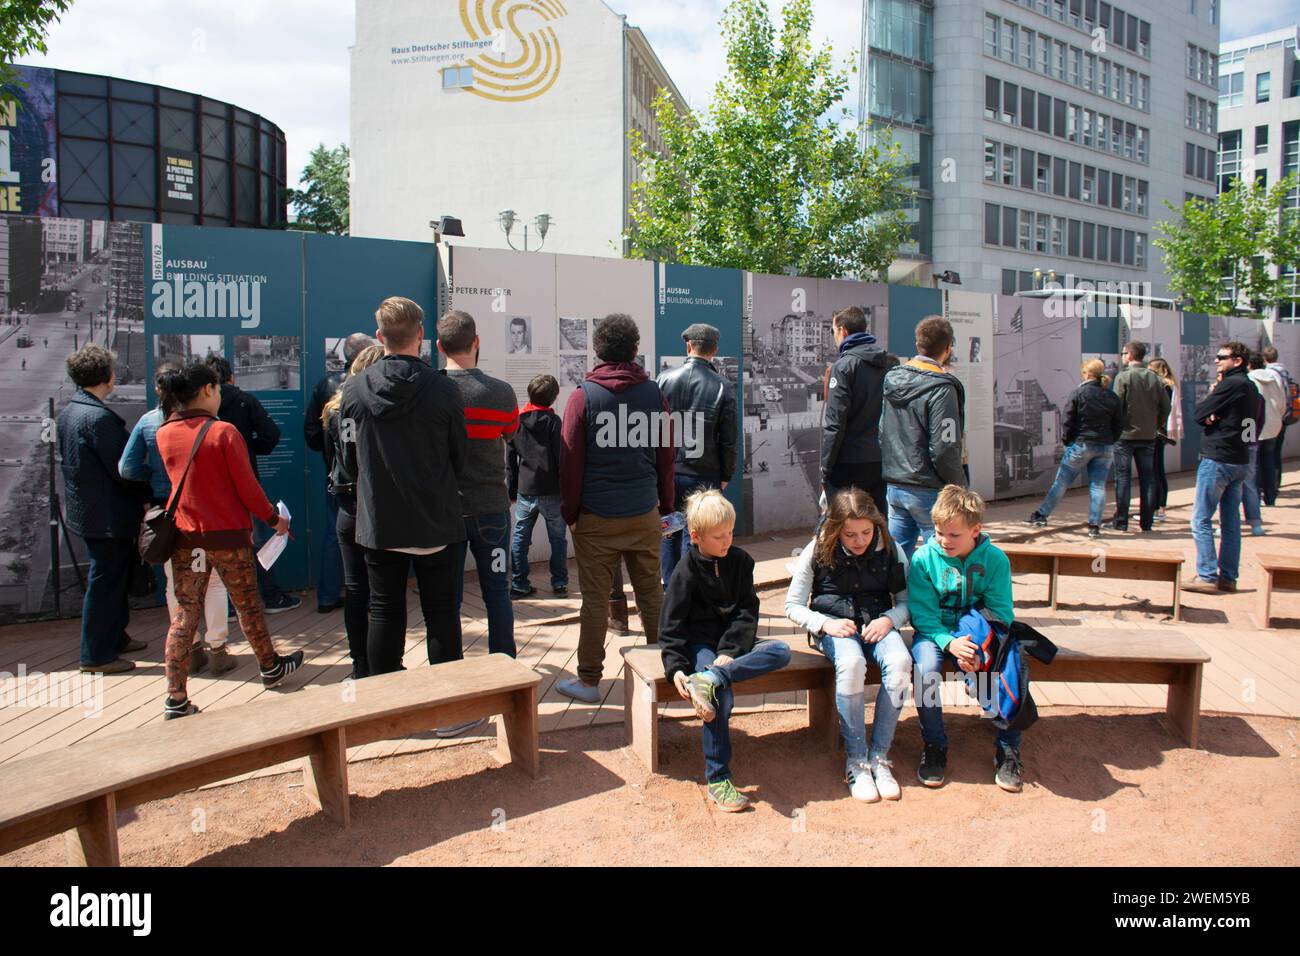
pixel 131 646
pixel 117 666
pixel 220 661
pixel 618 616
pixel 1227 584
pixel 1201 585
pixel 198 658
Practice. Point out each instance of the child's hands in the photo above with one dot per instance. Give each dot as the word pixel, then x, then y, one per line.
pixel 722 660
pixel 877 630
pixel 679 681
pixel 839 627
pixel 963 648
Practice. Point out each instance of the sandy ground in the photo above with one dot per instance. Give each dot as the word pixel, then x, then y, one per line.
pixel 1102 787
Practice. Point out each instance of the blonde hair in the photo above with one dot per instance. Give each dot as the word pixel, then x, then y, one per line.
pixel 399 319
pixel 708 509
pixel 365 358
pixel 957 502
pixel 1161 368
pixel 1095 369
pixel 849 504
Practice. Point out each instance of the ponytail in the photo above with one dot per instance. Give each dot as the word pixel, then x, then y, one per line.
pixel 178 386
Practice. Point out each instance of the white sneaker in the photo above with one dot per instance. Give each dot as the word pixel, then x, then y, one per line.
pixel 857 774
pixel 884 778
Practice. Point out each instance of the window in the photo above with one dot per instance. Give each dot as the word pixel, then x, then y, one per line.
pixel 1026 232
pixel 1231 87
pixel 1116 245
pixel 1075 178
pixel 1262 82
pixel 1026 48
pixel 1130 135
pixel 1087 128
pixel 1130 187
pixel 1008 281
pixel 1103 188
pixel 1042 227
pixel 1073 239
pixel 1089 71
pixel 1009 156
pixel 1058 176
pixel 1116 190
pixel 992 220
pixel 1058 61
pixel 1044 113
pixel 457 77
pixel 1058 235
pixel 1190 119
pixel 1089 240
pixel 1103 78
pixel 1008 226
pixel 1261 177
pixel 1116 134
pixel 1141 197
pixel 1072 123
pixel 1142 144
pixel 1043 173
pixel 1058 119
pixel 1076 66
pixel 1044 55
pixel 1129 243
pixel 1010 102
pixel 1026 108
pixel 991 33
pixel 1140 254
pixel 1010 33
pixel 1103 243
pixel 1026 169
pixel 990 161
pixel 992 97
pixel 1089 184
pixel 1261 140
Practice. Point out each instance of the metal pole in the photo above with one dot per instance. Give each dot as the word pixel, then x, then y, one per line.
pixel 54 521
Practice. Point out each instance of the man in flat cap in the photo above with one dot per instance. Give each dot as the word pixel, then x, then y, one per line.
pixel 706 403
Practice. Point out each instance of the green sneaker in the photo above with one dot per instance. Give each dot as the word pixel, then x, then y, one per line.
pixel 703 695
pixel 727 797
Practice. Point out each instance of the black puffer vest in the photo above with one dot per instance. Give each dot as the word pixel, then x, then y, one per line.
pixel 858 588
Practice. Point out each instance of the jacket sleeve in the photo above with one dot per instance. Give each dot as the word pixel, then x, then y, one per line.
pixel 573 455
pixel 1216 402
pixel 673 635
pixel 266 433
pixel 457 433
pixel 839 394
pixel 901 613
pixel 347 449
pixel 946 452
pixel 134 463
pixel 1162 416
pixel 742 629
pixel 797 595
pixel 726 433
pixel 923 602
pixel 997 585
pixel 313 432
pixel 1070 423
pixel 247 487
pixel 666 465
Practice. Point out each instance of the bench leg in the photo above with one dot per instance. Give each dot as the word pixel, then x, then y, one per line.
pixel 94 843
pixel 325 776
pixel 1183 704
pixel 644 723
pixel 629 689
pixel 1053 583
pixel 517 732
pixel 1266 623
pixel 823 718
pixel 1178 596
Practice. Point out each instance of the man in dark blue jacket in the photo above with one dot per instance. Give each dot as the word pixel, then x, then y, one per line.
pixel 851 427
pixel 101 507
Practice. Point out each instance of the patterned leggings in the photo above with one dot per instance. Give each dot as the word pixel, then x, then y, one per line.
pixel 191 574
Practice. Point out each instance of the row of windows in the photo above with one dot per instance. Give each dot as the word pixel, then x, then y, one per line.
pixel 902 27
pixel 1202 115
pixel 1023 47
pixel 1122 29
pixel 1202 65
pixel 1198 162
pixel 1021 106
pixel 1031 231
pixel 1022 280
pixel 1232 88
pixel 1010 165
pixel 900 92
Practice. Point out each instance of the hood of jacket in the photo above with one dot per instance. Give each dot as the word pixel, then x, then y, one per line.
pixel 392 387
pixel 913 380
pixel 617 376
pixel 1267 376
pixel 855 340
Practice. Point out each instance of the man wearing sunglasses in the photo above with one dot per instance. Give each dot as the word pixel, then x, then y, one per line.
pixel 1229 415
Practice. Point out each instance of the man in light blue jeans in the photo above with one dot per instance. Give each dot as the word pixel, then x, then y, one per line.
pixel 1218 484
pixel 909 515
pixel 1080 457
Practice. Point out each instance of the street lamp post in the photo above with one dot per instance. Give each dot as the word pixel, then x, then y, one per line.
pixel 542 222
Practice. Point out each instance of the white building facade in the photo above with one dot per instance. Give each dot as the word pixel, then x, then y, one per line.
pixel 469 109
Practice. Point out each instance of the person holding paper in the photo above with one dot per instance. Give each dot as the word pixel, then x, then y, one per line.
pixel 216 503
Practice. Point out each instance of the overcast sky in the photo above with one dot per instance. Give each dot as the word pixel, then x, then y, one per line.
pixel 288 59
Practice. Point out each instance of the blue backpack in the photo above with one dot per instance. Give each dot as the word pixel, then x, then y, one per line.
pixel 1000 654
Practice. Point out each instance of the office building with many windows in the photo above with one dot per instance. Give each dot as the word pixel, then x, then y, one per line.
pixel 1045 135
pixel 1259 118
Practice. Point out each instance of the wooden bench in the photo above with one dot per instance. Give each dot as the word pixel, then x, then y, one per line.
pixel 79 790
pixel 1110 657
pixel 1281 572
pixel 1100 561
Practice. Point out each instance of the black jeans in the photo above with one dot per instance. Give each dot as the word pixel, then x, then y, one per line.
pixel 1269 452
pixel 106 607
pixel 1161 479
pixel 356 588
pixel 1143 452
pixel 868 476
pixel 435 574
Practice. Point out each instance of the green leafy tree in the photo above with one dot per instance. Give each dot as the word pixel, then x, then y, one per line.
pixel 771 177
pixel 322 205
pixel 1222 256
pixel 23 27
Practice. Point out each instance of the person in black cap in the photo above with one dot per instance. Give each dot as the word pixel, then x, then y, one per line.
pixel 851 425
pixel 706 453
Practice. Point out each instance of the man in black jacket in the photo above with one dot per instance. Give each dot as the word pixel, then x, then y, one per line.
pixel 851 425
pixel 706 402
pixel 329 584
pixel 261 434
pixel 1229 415
pixel 410 446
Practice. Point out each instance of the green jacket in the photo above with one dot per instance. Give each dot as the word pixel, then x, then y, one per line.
pixel 1145 399
pixel 941 589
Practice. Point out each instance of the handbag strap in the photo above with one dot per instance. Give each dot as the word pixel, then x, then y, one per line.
pixel 176 495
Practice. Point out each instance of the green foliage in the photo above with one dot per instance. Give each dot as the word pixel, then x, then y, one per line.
pixel 323 205
pixel 1241 236
pixel 23 26
pixel 767 179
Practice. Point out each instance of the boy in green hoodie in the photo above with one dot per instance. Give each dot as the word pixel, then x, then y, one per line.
pixel 956 570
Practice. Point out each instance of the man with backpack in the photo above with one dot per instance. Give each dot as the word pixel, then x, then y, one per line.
pixel 1292 389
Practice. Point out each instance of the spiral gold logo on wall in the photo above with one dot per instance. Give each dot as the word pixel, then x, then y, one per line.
pixel 536 68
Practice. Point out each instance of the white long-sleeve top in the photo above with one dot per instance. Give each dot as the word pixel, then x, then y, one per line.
pixel 1174 426
pixel 1271 388
pixel 801 582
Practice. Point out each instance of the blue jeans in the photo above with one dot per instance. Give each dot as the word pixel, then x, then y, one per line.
pixel 488 539
pixel 105 609
pixel 1096 460
pixel 1126 453
pixel 909 515
pixel 675 546
pixel 329 586
pixel 1250 488
pixel 1218 485
pixel 526 512
pixel 926 685
pixel 849 657
pixel 767 656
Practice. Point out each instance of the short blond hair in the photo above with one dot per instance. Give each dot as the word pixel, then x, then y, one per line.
pixel 958 502
pixel 399 320
pixel 708 509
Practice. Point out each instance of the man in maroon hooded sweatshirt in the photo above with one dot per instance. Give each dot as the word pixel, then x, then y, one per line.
pixel 616 479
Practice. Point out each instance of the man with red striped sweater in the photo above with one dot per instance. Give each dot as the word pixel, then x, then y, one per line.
pixel 491 417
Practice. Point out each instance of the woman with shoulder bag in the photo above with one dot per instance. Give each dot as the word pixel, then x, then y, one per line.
pixel 214 527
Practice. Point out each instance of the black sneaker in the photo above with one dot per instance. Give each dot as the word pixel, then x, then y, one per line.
pixel 329 608
pixel 560 589
pixel 1116 525
pixel 522 592
pixel 933 762
pixel 173 709
pixel 1036 520
pixel 1007 776
pixel 282 668
pixel 1094 531
pixel 285 602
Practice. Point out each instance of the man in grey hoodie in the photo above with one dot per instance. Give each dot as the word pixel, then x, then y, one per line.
pixel 922 422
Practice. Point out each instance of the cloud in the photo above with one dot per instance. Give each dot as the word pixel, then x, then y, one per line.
pixel 1243 18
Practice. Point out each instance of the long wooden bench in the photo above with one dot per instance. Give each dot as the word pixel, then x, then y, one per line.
pixel 1100 561
pixel 1281 573
pixel 79 790
pixel 1111 657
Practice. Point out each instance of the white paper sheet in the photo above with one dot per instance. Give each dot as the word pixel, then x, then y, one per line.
pixel 267 554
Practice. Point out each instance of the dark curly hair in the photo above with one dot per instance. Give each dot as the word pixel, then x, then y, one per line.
pixel 617 338
pixel 177 387
pixel 90 365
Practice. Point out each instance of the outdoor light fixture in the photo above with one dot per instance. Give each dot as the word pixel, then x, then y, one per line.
pixel 446 226
pixel 507 219
pixel 948 276
pixel 542 223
